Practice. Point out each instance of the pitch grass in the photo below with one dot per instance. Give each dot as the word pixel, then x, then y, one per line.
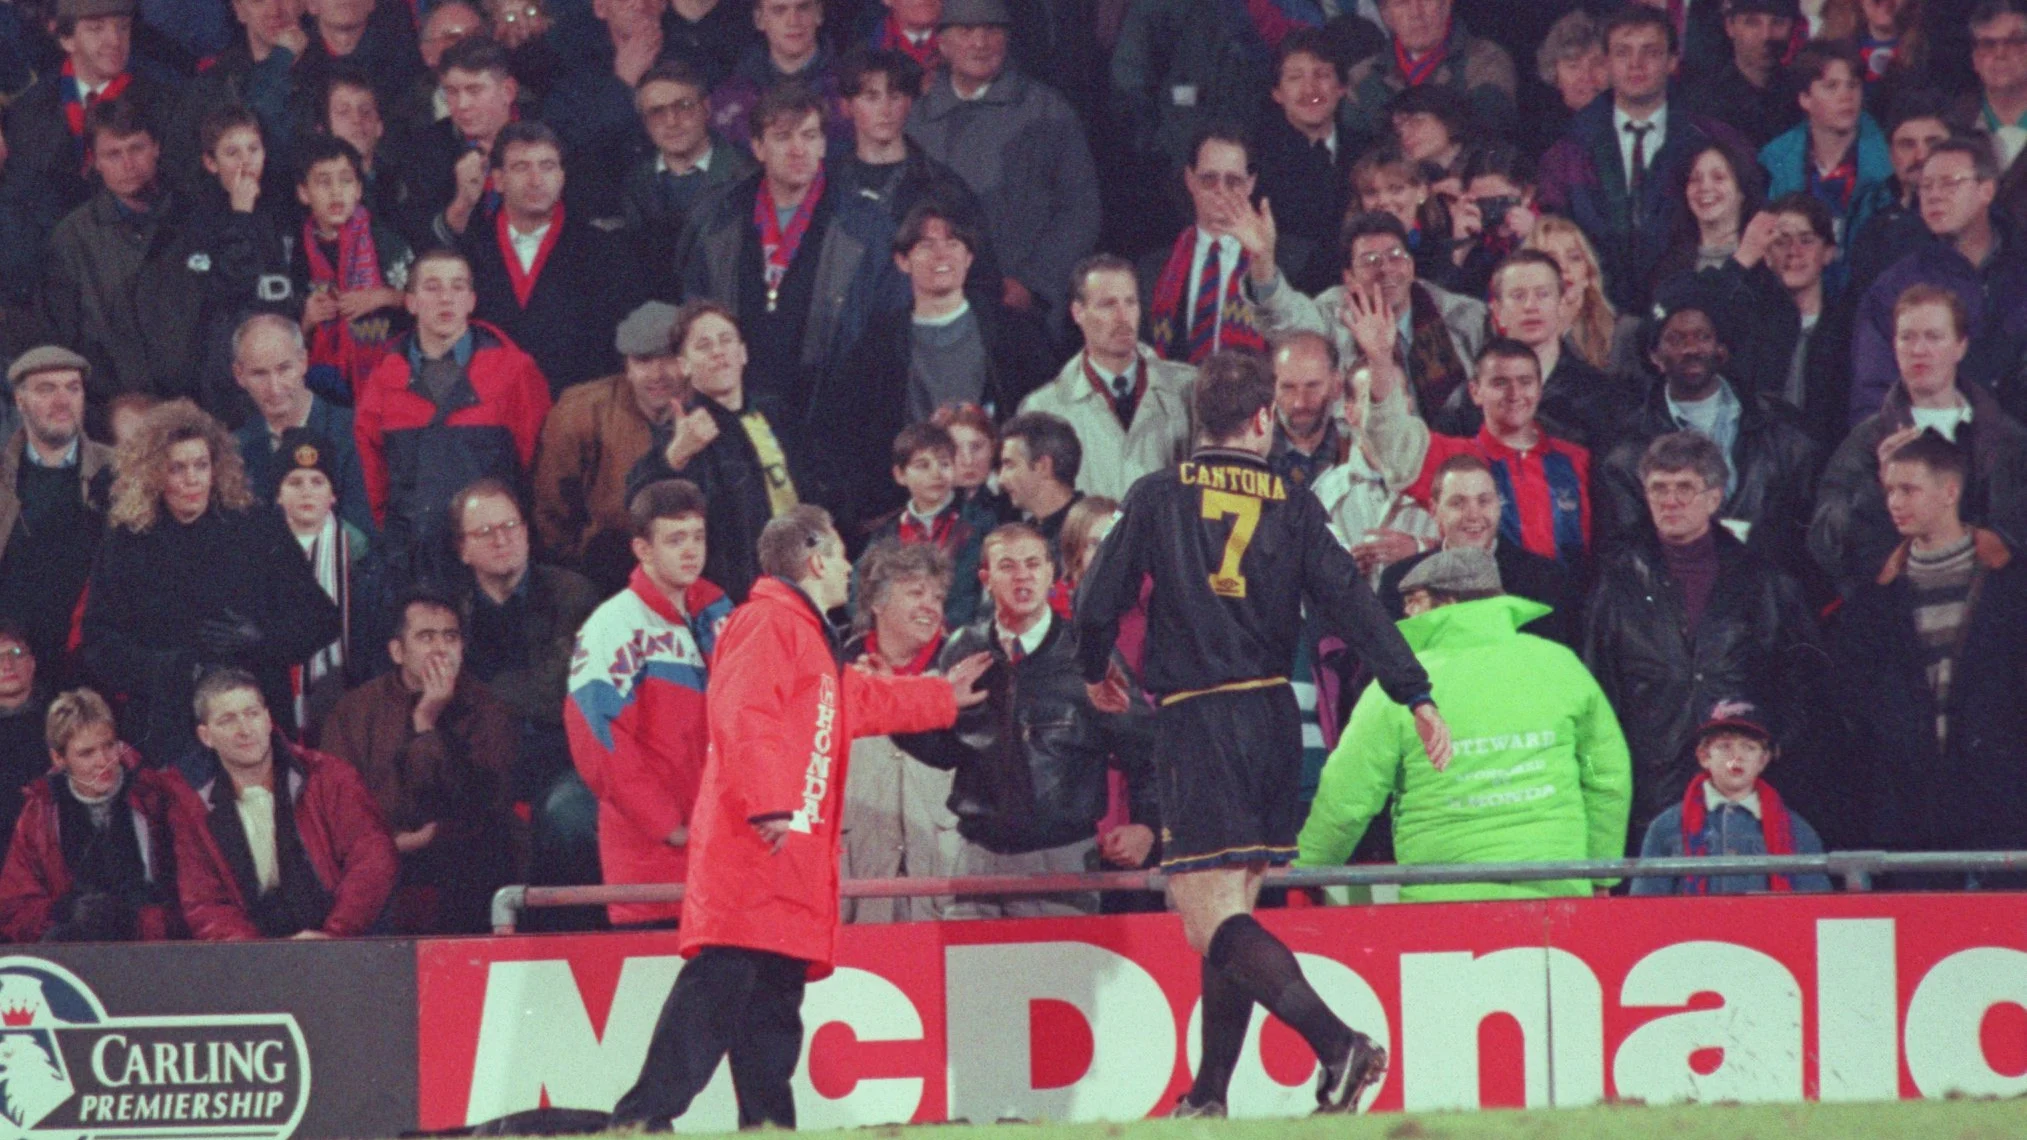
pixel 1910 1120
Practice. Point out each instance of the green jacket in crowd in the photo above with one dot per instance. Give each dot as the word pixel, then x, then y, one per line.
pixel 1540 770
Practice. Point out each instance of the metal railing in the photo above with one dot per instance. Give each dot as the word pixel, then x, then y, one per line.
pixel 1853 868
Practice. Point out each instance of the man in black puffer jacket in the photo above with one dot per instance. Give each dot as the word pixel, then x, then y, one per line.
pixel 1031 760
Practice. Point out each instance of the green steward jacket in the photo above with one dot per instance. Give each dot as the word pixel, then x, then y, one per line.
pixel 1540 770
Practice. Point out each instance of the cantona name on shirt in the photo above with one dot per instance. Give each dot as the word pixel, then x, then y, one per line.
pixel 1244 480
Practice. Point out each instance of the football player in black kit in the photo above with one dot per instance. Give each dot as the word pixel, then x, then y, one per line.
pixel 1234 554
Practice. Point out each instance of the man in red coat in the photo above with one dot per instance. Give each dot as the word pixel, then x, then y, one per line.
pixel 761 914
pixel 281 842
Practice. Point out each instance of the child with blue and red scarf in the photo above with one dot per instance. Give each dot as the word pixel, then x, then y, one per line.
pixel 1730 810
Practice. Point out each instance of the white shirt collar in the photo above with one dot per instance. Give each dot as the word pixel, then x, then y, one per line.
pixel 925 520
pixel 703 162
pixel 1654 138
pixel 1714 799
pixel 1032 639
pixel 528 245
pixel 949 318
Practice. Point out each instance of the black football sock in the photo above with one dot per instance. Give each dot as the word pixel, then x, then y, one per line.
pixel 1227 1013
pixel 1263 967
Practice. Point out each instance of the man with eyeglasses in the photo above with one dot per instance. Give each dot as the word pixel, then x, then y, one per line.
pixel 1973 257
pixel 1997 110
pixel 1999 56
pixel 1686 615
pixel 1196 301
pixel 1432 334
pixel 521 623
pixel 688 159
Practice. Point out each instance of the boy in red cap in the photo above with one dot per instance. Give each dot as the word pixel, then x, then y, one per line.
pixel 1730 810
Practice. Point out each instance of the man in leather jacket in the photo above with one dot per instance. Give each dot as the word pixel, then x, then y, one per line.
pixel 1687 614
pixel 1031 761
pixel 1772 461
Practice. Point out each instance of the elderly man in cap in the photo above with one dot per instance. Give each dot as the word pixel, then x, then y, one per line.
pixel 270 362
pixel 53 488
pixel 1020 147
pixel 1539 771
pixel 595 435
pixel 45 126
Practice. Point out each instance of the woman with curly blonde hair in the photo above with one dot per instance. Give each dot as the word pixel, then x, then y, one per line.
pixel 194 574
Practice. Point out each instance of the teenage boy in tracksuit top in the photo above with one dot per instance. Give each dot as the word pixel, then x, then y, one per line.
pixel 1234 555
pixel 636 710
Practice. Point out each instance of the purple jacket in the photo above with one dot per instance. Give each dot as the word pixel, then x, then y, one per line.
pixel 732 101
pixel 1995 297
pixel 1583 178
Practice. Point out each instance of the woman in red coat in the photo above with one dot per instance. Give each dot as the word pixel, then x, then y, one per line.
pixel 761 912
pixel 93 856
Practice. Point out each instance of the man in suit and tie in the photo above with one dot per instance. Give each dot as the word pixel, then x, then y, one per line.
pixel 1613 173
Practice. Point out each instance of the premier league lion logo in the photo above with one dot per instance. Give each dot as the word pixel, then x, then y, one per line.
pixel 34 1081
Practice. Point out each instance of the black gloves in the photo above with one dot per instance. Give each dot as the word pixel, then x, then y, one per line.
pixel 230 636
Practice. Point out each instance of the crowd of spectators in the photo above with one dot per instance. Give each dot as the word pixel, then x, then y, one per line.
pixel 398 390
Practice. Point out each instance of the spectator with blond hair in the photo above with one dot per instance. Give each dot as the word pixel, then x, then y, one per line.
pixel 185 528
pixel 92 858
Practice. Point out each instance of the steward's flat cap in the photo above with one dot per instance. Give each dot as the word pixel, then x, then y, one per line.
pixel 1463 571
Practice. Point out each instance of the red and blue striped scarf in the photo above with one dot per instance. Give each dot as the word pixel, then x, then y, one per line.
pixel 1169 323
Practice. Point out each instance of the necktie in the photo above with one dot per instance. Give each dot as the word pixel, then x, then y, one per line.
pixel 1203 323
pixel 1639 133
pixel 1124 399
pixel 1014 651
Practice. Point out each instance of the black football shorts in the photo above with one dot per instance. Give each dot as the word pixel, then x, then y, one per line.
pixel 1229 765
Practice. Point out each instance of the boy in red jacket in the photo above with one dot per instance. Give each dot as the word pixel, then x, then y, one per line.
pixel 761 913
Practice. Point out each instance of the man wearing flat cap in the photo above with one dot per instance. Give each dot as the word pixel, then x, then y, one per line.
pixel 45 126
pixel 595 435
pixel 53 488
pixel 1538 770
pixel 1018 144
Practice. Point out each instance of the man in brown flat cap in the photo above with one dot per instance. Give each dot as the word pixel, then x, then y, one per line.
pixel 53 487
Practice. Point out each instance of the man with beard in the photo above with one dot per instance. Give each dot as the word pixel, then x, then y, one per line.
pixel 53 487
